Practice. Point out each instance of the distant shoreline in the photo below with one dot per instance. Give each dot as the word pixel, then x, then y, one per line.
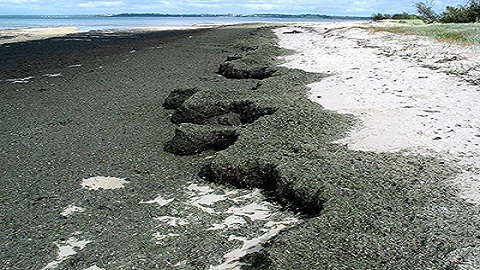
pixel 137 20
pixel 273 15
pixel 166 15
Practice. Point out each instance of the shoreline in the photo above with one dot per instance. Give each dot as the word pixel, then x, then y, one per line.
pixel 96 157
pixel 29 34
pixel 409 93
pixel 9 36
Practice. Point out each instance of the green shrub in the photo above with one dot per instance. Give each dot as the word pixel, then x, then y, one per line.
pixel 398 16
pixel 380 16
pixel 425 9
pixel 462 14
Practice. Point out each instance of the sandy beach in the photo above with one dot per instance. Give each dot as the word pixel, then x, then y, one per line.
pixel 411 93
pixel 22 35
pixel 215 148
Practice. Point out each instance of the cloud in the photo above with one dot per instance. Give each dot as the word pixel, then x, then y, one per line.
pixel 331 7
pixel 259 6
pixel 101 4
pixel 13 2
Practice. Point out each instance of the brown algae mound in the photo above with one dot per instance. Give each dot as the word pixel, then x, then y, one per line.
pixel 363 210
pixel 210 110
pixel 177 97
pixel 192 139
pixel 254 64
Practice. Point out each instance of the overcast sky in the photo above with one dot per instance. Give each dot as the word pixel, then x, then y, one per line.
pixel 329 7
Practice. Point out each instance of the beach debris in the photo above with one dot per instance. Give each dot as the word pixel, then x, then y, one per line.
pixel 101 182
pixel 53 75
pixel 450 59
pixel 20 80
pixel 293 32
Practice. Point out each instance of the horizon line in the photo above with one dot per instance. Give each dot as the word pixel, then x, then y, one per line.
pixel 192 14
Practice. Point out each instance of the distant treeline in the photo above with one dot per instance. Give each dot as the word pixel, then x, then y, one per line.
pixel 169 15
pixel 281 16
pixel 398 16
pixel 468 13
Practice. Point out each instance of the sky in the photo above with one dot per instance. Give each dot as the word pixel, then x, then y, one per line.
pixel 328 7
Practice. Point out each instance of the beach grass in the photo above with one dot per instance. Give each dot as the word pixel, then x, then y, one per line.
pixel 460 33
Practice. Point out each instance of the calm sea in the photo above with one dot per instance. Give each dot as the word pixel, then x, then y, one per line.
pixel 86 23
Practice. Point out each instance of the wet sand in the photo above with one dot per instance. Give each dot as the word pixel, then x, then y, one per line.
pixel 22 35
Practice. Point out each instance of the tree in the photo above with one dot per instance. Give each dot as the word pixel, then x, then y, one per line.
pixel 462 14
pixel 397 16
pixel 404 16
pixel 380 16
pixel 425 9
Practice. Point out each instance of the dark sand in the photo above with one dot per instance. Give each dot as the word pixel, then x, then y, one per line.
pixel 103 118
pixel 100 113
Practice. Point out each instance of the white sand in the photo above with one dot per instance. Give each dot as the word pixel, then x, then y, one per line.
pixel 94 268
pixel 101 182
pixel 203 196
pixel 29 34
pixel 65 250
pixel 172 221
pixel 224 212
pixel 252 245
pixel 231 222
pixel 69 210
pixel 159 200
pixel 21 35
pixel 411 94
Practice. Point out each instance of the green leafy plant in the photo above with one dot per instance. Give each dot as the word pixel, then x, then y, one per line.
pixel 425 9
pixel 462 14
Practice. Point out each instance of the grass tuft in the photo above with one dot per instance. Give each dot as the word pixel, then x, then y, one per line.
pixel 460 33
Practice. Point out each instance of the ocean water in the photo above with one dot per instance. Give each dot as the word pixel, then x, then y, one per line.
pixel 87 23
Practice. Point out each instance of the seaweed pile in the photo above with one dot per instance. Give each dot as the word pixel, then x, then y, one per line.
pixel 362 210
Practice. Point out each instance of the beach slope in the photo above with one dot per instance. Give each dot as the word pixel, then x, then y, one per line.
pixel 196 149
